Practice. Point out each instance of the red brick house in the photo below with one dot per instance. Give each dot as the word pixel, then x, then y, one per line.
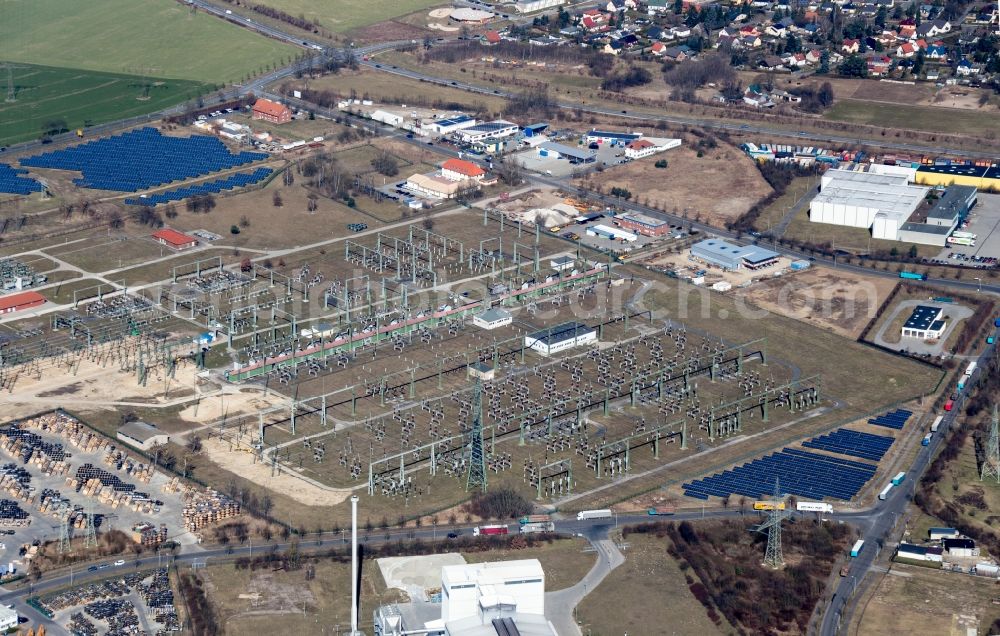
pixel 270 111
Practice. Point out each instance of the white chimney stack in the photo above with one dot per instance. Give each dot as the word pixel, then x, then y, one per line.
pixel 354 565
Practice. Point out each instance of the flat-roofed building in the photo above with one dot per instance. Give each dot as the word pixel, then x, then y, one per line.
pixel 466 589
pixel 482 370
pixel 919 552
pixel 643 224
pixel 611 233
pixel 497 129
pixel 879 202
pixel 960 547
pixel 562 263
pixel 448 125
pixel 925 323
pixel 553 150
pixel 611 137
pixel 936 534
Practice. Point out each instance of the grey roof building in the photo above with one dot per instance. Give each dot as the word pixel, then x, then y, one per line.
pixel 141 435
pixel 730 256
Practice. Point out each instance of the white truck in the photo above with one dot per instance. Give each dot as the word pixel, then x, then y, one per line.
pixel 937 423
pixel 813 506
pixel 584 515
pixel 538 526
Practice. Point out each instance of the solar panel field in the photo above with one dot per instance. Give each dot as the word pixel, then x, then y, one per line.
pixel 48 96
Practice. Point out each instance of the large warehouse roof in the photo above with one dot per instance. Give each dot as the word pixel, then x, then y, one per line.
pixel 856 176
pixel 722 249
pixel 895 200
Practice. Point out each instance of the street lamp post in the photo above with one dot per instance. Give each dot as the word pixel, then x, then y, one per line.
pixel 979 284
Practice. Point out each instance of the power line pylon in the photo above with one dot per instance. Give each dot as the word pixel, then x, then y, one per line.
pixel 477 459
pixel 64 544
pixel 991 466
pixel 90 541
pixel 773 556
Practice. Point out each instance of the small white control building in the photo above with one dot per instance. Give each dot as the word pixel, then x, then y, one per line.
pixel 493 318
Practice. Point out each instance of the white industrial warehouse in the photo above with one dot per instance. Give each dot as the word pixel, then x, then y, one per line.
pixel 880 202
pixel 560 337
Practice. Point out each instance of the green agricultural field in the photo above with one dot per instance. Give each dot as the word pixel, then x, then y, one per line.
pixel 930 118
pixel 159 38
pixel 343 15
pixel 49 97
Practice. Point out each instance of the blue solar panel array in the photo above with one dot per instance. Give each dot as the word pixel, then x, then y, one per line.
pixel 854 443
pixel 893 419
pixel 802 473
pixel 237 180
pixel 142 159
pixel 11 181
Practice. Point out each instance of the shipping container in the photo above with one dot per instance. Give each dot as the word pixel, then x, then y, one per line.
pixel 898 478
pixel 990 339
pixel 944 299
pixel 856 549
pixel 926 441
pixel 584 515
pixel 813 506
pixel 885 492
pixel 937 423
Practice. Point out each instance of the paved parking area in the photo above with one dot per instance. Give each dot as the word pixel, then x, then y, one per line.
pixel 984 222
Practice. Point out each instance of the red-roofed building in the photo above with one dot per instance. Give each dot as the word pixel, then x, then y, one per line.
pixel 459 170
pixel 658 48
pixel 491 38
pixel 17 302
pixel 271 111
pixel 640 148
pixel 174 239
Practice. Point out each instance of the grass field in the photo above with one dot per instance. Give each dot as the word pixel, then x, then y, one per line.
pixel 344 15
pixel 947 120
pixel 82 98
pixel 935 602
pixel 611 608
pixel 160 37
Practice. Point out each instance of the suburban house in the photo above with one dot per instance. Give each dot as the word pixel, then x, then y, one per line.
pixel 850 46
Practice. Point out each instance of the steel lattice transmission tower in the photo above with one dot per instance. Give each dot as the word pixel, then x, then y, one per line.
pixel 90 540
pixel 991 466
pixel 773 556
pixel 64 544
pixel 477 458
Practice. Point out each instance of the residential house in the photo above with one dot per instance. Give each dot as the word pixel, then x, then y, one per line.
pixel 933 28
pixel 937 51
pixel 906 50
pixel 658 6
pixel 654 32
pixel 658 48
pixel 490 38
pixel 677 53
pixel 887 38
pixel 749 30
pixel 967 68
pixel 794 60
pixel 814 56
pixel 776 30
pixel 750 41
pixel 771 63
pixel 620 5
pixel 878 65
pixel 907 31
pixel 756 96
pixel 680 31
pixel 850 46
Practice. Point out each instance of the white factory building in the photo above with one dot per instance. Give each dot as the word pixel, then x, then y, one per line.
pixel 560 337
pixel 879 202
pixel 448 125
pixel 8 618
pixel 470 589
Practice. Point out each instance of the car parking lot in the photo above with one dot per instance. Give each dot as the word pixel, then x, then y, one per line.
pixel 984 222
